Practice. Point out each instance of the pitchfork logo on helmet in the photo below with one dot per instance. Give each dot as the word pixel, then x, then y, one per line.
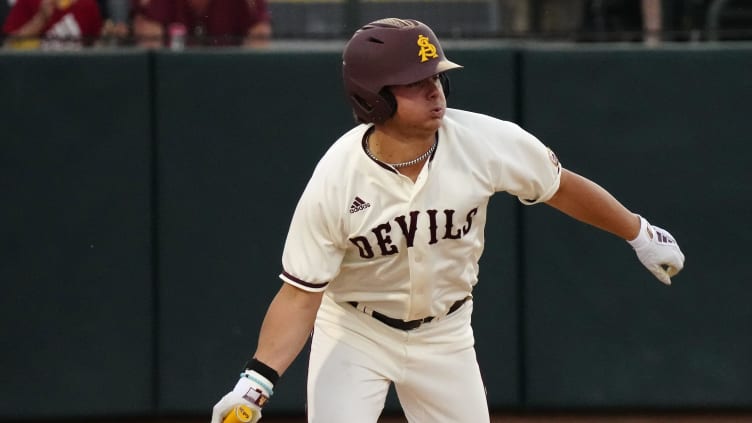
pixel 427 50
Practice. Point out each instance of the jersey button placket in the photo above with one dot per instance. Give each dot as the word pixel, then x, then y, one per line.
pixel 419 299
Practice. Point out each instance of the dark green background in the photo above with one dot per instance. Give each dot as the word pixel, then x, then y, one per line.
pixel 146 196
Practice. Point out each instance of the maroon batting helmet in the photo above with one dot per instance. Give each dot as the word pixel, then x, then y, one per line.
pixel 388 52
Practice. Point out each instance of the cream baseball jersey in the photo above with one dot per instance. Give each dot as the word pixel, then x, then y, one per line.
pixel 365 233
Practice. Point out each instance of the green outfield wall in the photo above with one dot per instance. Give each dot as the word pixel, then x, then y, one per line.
pixel 146 197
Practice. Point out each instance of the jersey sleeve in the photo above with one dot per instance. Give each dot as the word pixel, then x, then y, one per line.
pixel 312 254
pixel 528 169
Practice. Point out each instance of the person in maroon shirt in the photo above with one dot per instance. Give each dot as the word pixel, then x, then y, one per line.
pixel 59 23
pixel 205 22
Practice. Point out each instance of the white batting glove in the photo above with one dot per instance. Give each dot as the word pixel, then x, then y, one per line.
pixel 658 251
pixel 252 390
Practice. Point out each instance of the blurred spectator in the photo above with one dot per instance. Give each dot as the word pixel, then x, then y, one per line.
pixel 204 22
pixel 52 24
pixel 652 21
pixel 116 28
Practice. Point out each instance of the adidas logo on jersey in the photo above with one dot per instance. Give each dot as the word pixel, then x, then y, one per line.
pixel 358 205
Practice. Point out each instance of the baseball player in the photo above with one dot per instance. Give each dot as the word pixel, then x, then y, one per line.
pixel 382 251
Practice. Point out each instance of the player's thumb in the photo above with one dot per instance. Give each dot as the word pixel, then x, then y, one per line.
pixel 662 274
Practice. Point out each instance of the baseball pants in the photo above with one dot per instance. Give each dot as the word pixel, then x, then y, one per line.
pixel 354 358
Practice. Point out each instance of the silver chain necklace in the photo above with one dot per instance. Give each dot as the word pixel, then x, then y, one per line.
pixel 416 160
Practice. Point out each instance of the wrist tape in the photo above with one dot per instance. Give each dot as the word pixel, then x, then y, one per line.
pixel 257 382
pixel 258 366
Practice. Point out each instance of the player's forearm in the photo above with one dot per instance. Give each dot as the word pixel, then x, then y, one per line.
pixel 588 202
pixel 286 327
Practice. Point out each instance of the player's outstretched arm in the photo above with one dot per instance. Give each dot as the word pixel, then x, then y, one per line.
pixel 284 332
pixel 588 202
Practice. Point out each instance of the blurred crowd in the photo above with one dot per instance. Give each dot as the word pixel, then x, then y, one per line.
pixel 61 24
pixel 73 24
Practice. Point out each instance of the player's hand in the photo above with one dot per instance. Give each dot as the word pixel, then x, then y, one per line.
pixel 252 390
pixel 658 251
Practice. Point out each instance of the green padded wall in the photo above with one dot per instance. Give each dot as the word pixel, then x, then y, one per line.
pixel 76 310
pixel 667 132
pixel 239 133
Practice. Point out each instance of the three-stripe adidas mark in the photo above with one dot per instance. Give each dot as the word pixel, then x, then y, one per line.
pixel 662 238
pixel 358 204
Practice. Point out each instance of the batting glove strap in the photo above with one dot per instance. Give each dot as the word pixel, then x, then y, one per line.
pixel 658 251
pixel 254 388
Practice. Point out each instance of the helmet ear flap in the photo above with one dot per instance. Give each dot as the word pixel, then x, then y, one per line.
pixel 389 101
pixel 369 106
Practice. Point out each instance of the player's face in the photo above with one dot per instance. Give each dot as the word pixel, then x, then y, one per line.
pixel 420 105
